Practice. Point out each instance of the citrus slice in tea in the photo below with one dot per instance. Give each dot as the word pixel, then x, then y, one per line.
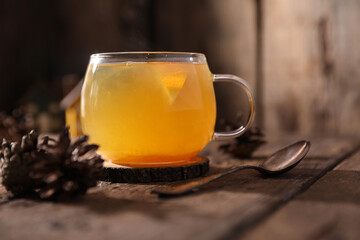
pixel 173 78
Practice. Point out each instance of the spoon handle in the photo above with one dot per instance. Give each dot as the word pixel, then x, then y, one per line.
pixel 187 187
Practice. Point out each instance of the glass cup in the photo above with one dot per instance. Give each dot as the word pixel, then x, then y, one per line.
pixel 150 109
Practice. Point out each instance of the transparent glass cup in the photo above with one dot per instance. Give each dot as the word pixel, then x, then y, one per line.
pixel 150 109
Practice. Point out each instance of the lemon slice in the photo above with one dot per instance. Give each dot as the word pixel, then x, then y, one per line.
pixel 173 84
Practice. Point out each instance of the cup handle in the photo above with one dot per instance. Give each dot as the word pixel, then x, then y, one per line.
pixel 242 129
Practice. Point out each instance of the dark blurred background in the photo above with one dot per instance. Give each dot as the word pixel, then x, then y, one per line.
pixel 302 58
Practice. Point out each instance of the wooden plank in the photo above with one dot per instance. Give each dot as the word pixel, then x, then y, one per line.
pixel 311 220
pixel 311 66
pixel 128 211
pixel 330 209
pixel 352 164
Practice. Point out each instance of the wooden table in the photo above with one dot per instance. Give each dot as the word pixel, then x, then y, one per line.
pixel 319 199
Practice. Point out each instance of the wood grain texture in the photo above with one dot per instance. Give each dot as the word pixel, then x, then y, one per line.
pixel 311 66
pixel 222 209
pixel 329 209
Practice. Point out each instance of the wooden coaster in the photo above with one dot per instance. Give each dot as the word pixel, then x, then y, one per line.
pixel 120 174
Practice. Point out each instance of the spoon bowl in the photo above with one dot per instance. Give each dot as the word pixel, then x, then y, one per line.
pixel 279 162
pixel 284 159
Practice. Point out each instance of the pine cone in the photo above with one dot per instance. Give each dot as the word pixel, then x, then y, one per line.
pixel 66 169
pixel 16 162
pixel 54 169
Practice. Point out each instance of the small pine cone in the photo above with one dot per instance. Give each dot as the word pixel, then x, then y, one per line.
pixel 16 162
pixel 246 144
pixel 66 169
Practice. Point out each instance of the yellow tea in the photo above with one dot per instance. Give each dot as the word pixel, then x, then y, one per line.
pixel 148 113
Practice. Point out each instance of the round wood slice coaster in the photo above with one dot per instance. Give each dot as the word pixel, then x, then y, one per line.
pixel 198 166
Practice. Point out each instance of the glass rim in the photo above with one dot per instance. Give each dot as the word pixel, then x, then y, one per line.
pixel 148 56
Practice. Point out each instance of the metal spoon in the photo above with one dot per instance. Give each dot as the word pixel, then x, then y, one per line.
pixel 278 163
